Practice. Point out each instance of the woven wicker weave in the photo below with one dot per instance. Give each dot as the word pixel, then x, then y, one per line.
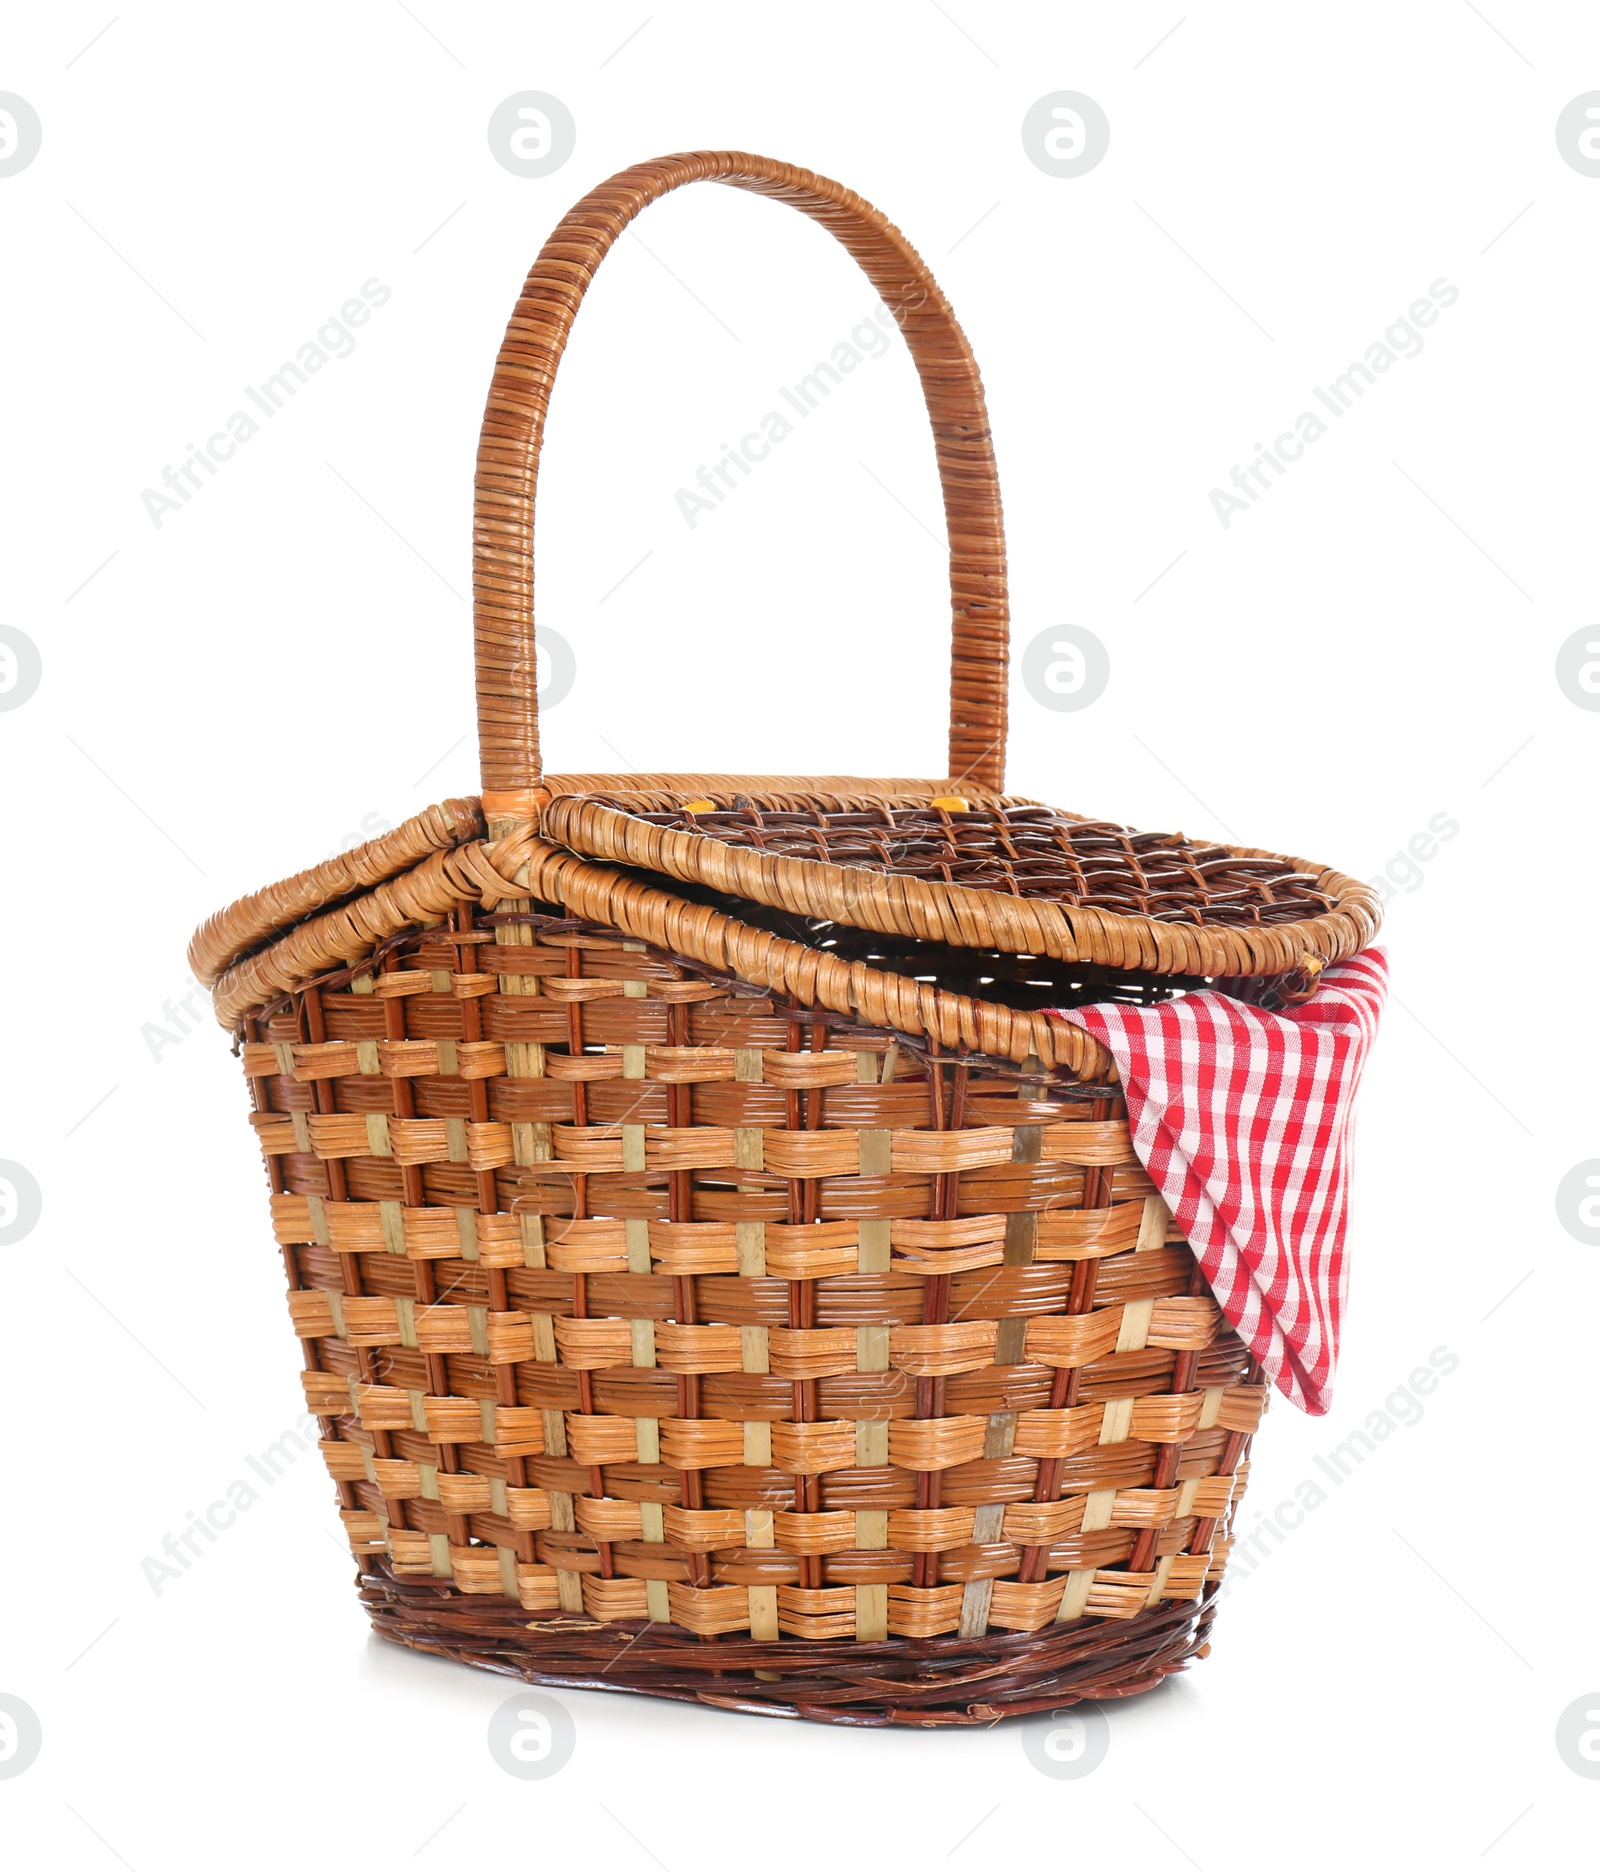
pixel 1025 849
pixel 716 1276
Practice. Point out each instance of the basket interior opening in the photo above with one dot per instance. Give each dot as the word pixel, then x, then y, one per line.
pixel 1024 982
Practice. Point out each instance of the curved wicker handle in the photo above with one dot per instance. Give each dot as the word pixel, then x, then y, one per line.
pixel 513 428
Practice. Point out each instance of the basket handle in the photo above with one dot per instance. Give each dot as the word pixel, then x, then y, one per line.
pixel 513 430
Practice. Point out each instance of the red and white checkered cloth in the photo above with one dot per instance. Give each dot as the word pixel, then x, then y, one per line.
pixel 1243 1120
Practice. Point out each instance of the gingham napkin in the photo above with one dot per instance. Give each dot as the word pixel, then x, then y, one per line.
pixel 1243 1120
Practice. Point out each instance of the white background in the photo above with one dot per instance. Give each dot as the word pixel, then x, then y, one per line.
pixel 285 661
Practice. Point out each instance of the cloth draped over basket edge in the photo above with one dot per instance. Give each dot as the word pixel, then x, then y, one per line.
pixel 1243 1119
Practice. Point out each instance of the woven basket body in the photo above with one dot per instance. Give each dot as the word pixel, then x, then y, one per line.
pixel 715 1274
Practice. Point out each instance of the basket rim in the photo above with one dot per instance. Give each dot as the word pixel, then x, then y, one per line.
pixel 284 935
pixel 524 866
pixel 260 917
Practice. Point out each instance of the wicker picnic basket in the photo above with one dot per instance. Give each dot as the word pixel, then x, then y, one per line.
pixel 716 1277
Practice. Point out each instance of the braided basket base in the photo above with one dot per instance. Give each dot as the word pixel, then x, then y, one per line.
pixel 926 1683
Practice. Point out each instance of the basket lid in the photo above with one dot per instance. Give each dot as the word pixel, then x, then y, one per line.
pixel 974 868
